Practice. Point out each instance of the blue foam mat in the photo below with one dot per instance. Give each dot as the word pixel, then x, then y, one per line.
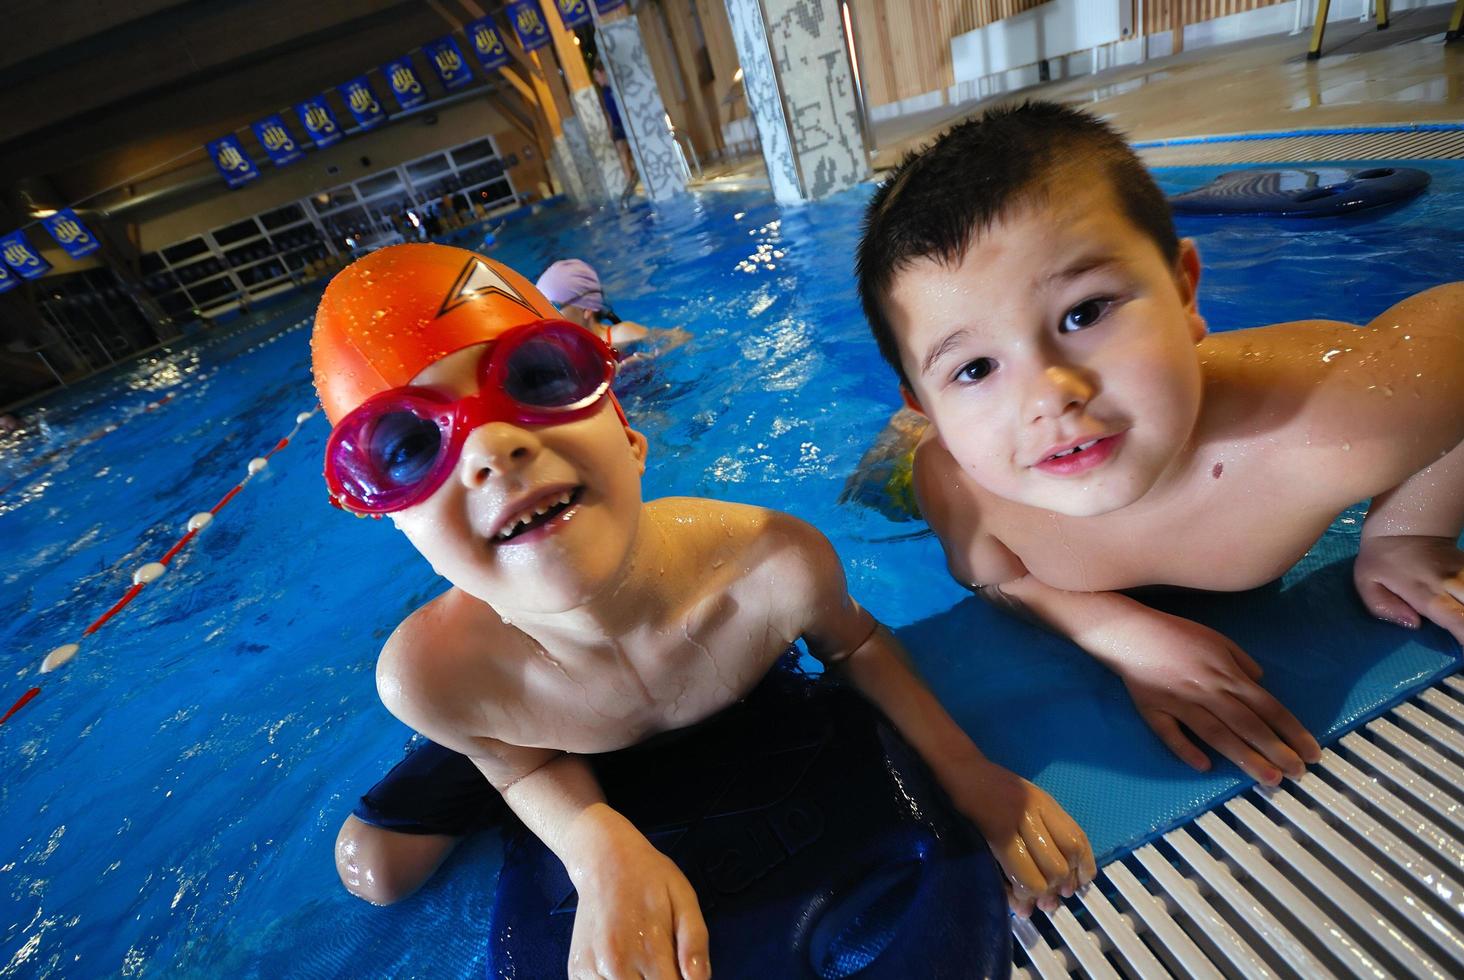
pixel 1037 704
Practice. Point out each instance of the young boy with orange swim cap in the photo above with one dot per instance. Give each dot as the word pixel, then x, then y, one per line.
pixel 1023 277
pixel 583 619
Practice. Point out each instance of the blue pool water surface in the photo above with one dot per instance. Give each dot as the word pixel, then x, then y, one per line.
pixel 169 802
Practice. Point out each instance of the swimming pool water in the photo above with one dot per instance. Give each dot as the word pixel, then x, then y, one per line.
pixel 169 802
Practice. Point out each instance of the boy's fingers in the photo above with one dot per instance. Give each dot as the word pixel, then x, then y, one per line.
pixel 1260 736
pixel 1284 723
pixel 1022 875
pixel 1021 907
pixel 1170 734
pixel 692 945
pixel 1075 851
pixel 1448 612
pixel 1220 738
pixel 1075 847
pixel 1046 851
pixel 1247 663
pixel 1385 605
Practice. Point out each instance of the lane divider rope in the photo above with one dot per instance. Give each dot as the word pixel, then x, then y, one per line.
pixel 152 571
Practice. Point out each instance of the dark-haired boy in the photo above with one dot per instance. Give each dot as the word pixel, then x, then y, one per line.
pixel 1023 276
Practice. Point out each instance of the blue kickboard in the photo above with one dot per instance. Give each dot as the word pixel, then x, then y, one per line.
pixel 1039 705
pixel 1314 192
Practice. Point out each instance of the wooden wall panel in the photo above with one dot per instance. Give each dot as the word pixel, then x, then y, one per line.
pixel 1158 14
pixel 905 45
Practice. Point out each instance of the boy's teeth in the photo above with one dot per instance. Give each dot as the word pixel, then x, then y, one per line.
pixel 528 516
pixel 1081 446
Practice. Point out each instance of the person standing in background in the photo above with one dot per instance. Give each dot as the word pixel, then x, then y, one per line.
pixel 617 128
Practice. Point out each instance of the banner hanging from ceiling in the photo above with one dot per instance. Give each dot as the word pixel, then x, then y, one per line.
pixel 71 234
pixel 319 122
pixel 362 102
pixel 573 13
pixel 16 249
pixel 402 78
pixel 229 156
pixel 528 24
pixel 277 141
pixel 448 61
pixel 487 44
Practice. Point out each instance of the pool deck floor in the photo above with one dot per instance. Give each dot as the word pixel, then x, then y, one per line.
pixel 1365 77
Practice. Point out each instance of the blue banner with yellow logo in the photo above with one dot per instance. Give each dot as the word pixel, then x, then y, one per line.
pixel 528 24
pixel 605 6
pixel 7 279
pixel 19 255
pixel 277 141
pixel 363 103
pixel 229 156
pixel 319 122
pixel 402 79
pixel 71 234
pixel 448 61
pixel 573 13
pixel 487 45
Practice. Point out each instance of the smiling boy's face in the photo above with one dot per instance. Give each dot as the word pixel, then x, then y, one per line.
pixel 532 518
pixel 1057 360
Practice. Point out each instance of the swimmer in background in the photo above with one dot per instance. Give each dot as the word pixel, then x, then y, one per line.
pixel 1086 436
pixel 581 619
pixel 574 287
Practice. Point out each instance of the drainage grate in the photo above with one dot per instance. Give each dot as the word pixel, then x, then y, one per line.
pixel 1352 870
pixel 1436 142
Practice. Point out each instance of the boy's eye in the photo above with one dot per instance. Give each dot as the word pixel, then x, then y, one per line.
pixel 976 370
pixel 1085 314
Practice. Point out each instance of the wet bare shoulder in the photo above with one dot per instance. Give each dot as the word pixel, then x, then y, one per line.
pixel 432 673
pixel 965 518
pixel 1386 398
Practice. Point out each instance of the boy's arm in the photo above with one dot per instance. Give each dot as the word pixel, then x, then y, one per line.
pixel 1040 848
pixel 1409 566
pixel 1176 671
pixel 637 913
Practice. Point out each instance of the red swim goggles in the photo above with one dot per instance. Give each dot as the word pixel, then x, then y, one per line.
pixel 396 448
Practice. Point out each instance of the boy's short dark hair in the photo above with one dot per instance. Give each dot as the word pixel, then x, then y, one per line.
pixel 943 195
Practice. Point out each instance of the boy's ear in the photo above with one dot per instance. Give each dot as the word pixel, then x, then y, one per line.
pixel 1187 278
pixel 639 447
pixel 911 402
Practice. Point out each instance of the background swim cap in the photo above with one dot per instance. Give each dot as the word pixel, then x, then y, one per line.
pixel 572 281
pixel 390 314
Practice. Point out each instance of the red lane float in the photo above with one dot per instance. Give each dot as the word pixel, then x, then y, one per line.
pixel 152 571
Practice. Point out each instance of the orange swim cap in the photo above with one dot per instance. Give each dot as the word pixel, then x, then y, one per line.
pixel 390 314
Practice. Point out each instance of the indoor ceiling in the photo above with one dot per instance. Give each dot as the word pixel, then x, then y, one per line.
pixel 92 92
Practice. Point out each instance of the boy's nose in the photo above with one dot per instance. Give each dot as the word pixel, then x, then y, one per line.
pixel 1058 389
pixel 495 447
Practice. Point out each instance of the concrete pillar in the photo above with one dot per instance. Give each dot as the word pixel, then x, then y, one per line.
pixel 641 109
pixel 577 135
pixel 565 168
pixel 800 88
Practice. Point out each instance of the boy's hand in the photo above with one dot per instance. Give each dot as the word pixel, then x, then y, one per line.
pixel 1182 673
pixel 1040 848
pixel 638 915
pixel 1405 579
